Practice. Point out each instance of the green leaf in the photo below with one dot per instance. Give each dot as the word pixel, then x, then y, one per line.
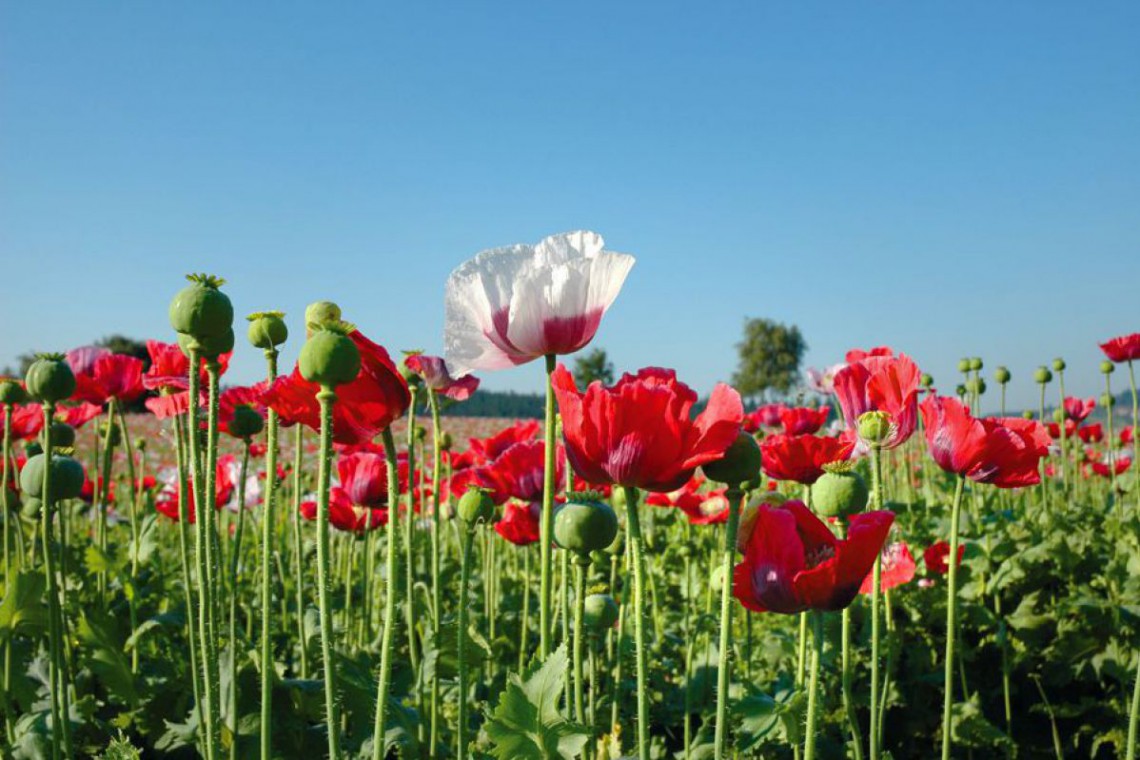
pixel 23 609
pixel 104 655
pixel 527 724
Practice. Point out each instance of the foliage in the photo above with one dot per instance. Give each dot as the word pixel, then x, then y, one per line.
pixel 769 357
pixel 593 365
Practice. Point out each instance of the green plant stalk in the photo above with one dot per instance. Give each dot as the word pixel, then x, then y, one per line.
pixel 813 685
pixel 327 397
pixel 723 675
pixel 1135 417
pixel 205 591
pixel 1064 434
pixel 847 676
pixel 235 569
pixel 581 564
pixel 633 526
pixel 1041 416
pixel 951 616
pixel 1134 711
pixel 436 588
pixel 60 721
pixel 190 600
pixel 546 526
pixel 7 453
pixel 461 643
pixel 876 593
pixel 266 729
pixel 391 589
pixel 1134 715
pixel 409 543
pixel 105 497
pixel 209 516
pixel 132 607
pixel 1109 414
pixel 524 638
pixel 298 549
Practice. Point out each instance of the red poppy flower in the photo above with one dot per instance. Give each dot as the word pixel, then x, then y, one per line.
pixel 364 478
pixel 935 557
pixel 1125 435
pixel 169 367
pixel 688 495
pixel 858 354
pixel 165 406
pixel 167 502
pixel 78 415
pixel 1054 429
pixel 767 416
pixel 881 383
pixel 1093 433
pixel 346 516
pixel 1120 465
pixel 898 569
pixel 1126 348
pixel 27 421
pixel 709 508
pixel 112 376
pixel 91 489
pixel 640 432
pixel 433 370
pixel 520 523
pixel 793 562
pixel 490 448
pixel 1077 410
pixel 801 457
pixel 363 408
pixel 518 473
pixel 802 420
pixel 231 398
pixel 1001 451
pixel 462 460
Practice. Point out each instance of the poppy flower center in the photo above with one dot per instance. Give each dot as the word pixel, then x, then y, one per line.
pixel 817 555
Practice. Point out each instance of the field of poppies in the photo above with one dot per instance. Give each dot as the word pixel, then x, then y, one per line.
pixel 322 565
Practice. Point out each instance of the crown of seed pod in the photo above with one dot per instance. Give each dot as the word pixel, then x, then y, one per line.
pixel 267 329
pixel 200 309
pixel 50 379
pixel 329 357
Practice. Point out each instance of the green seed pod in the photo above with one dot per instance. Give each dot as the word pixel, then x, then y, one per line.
pixel 445 441
pixel 1058 364
pixel 419 433
pixel 585 524
pixel 1107 401
pixel 963 365
pixel 329 357
pixel 1027 414
pixel 31 448
pixel 600 613
pixel 1058 415
pixel 200 309
pixel 739 464
pixel 140 444
pixel 1001 375
pixel 50 379
pixel 267 329
pixel 842 492
pixel 475 505
pixel 926 380
pixel 976 363
pixel 246 422
pixel 30 507
pixel 1042 375
pixel 874 427
pixel 66 477
pixel 116 433
pixel 617 546
pixel 977 385
pixel 11 392
pixel 961 390
pixel 207 347
pixel 62 435
pixel 1107 367
pixel 320 313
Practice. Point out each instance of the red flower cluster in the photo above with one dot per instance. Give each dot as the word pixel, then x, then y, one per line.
pixel 936 555
pixel 101 375
pixel 1001 451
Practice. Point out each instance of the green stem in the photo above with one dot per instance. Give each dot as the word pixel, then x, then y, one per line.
pixel 436 588
pixel 190 600
pixel 546 530
pixel 266 549
pixel 1112 447
pixel 1064 435
pixel 235 566
pixel 633 525
pixel 734 496
pixel 132 606
pixel 298 549
pixel 848 693
pixel 209 516
pixel 813 686
pixel 409 540
pixel 581 564
pixel 951 616
pixel 1134 714
pixel 59 718
pixel 461 643
pixel 876 592
pixel 7 453
pixel 326 397
pixel 391 589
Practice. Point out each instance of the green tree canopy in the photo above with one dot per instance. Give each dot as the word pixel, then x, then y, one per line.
pixel 595 365
pixel 770 356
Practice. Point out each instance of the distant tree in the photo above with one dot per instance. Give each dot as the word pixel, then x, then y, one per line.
pixel 770 355
pixel 595 365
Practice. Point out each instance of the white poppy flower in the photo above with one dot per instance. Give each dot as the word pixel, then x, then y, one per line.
pixel 510 305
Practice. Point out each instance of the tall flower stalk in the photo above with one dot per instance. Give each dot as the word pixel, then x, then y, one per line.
pixel 391 590
pixel 951 617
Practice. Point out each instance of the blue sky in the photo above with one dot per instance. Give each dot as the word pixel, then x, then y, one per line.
pixel 949 178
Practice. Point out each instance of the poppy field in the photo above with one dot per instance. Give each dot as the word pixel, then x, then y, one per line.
pixel 325 564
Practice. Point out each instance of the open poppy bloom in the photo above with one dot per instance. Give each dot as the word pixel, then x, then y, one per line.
pixel 1089 433
pixel 167 502
pixel 793 562
pixel 231 398
pixel 1125 348
pixel 510 305
pixel 858 354
pixel 766 416
pixel 823 380
pixel 101 375
pixel 360 502
pixel 709 508
pixel 640 432
pixel 27 421
pixel 78 415
pixel 364 407
pixel 801 458
pixel 898 568
pixel 169 367
pixel 687 497
pixel 1002 451
pixel 518 473
pixel 433 370
pixel 802 420
pixel 936 555
pixel 880 382
pixel 1077 409
pixel 1054 429
pixel 486 449
pixel 520 523
pixel 1126 435
pixel 1117 465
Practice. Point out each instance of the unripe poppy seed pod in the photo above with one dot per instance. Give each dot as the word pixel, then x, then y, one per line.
pixel 50 379
pixel 116 433
pixel 475 505
pixel 1042 375
pixel 1002 375
pixel 976 363
pixel 963 365
pixel 267 329
pixel 600 612
pixel 1027 414
pixel 62 435
pixel 11 392
pixel 200 309
pixel 976 385
pixel 1107 367
pixel 445 441
pixel 926 380
pixel 320 313
pixel 585 525
pixel 1058 364
pixel 960 390
pixel 66 477
pixel 246 422
pixel 1107 401
pixel 329 357
pixel 841 492
pixel 208 347
pixel 740 463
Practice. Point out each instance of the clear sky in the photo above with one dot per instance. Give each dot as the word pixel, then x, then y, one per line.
pixel 949 178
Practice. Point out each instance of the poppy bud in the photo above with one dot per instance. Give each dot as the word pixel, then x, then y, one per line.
pixel 1001 375
pixel 1058 364
pixel 419 433
pixel 246 422
pixel 1027 414
pixel 1058 415
pixel 50 379
pixel 11 392
pixel 475 505
pixel 200 309
pixel 411 377
pixel 976 363
pixel 320 313
pixel 585 525
pixel 208 347
pixel 976 385
pixel 267 329
pixel 140 444
pixel 963 365
pixel 329 357
pixel 445 441
pixel 1042 375
pixel 1107 367
pixel 116 433
pixel 926 380
pixel 960 390
pixel 874 427
pixel 62 435
pixel 66 477
pixel 1107 401
pixel 740 463
pixel 600 612
pixel 839 492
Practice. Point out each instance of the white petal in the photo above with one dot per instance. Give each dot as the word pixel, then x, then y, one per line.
pixel 475 291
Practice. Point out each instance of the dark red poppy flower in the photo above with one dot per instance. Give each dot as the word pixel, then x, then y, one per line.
pixel 801 458
pixel 709 508
pixel 1077 409
pixel 363 408
pixel 169 367
pixel 462 460
pixel 898 569
pixel 486 449
pixel 27 421
pixel 1001 451
pixel 793 562
pixel 433 370
pixel 802 420
pixel 1125 435
pixel 92 489
pixel 1093 433
pixel 858 354
pixel 882 383
pixel 520 523
pixel 767 416
pixel 1054 429
pixel 688 495
pixel 78 415
pixel 1120 465
pixel 167 501
pixel 364 478
pixel 519 471
pixel 935 557
pixel 640 432
pixel 1126 348
pixel 346 516
pixel 231 398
